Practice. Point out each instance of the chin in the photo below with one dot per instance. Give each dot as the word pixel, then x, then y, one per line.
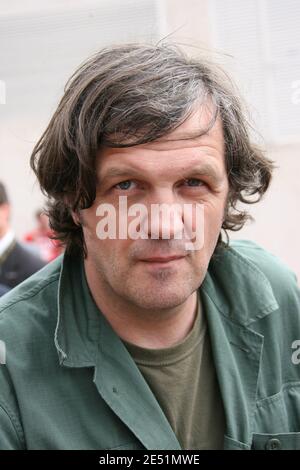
pixel 160 298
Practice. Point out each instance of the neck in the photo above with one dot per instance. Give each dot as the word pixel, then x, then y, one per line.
pixel 153 329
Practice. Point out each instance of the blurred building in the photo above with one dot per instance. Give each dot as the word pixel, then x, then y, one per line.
pixel 258 41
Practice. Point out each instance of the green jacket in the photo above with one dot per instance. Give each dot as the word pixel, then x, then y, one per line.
pixel 70 383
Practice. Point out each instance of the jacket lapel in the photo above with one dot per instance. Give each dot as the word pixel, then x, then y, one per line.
pixel 125 390
pixel 235 294
pixel 237 354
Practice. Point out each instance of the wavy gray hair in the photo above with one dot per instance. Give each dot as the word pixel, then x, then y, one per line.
pixel 132 94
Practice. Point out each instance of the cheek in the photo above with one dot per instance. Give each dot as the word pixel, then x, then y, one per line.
pixel 88 219
pixel 213 220
pixel 110 252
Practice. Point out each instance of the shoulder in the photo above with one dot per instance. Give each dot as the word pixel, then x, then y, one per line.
pixel 28 316
pixel 31 302
pixel 281 277
pixel 269 263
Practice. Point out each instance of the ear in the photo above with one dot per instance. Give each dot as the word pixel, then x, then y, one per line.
pixel 76 218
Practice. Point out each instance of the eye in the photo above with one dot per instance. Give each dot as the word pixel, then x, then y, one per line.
pixel 193 182
pixel 124 185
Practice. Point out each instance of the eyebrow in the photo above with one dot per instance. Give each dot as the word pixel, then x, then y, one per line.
pixel 205 169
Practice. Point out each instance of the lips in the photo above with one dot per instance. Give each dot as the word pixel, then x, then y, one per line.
pixel 162 259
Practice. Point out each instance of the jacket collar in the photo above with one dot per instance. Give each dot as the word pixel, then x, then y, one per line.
pixel 73 336
pixel 239 289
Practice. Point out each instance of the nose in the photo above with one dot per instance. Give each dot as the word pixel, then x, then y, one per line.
pixel 164 219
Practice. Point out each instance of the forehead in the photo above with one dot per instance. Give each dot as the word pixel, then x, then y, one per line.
pixel 187 144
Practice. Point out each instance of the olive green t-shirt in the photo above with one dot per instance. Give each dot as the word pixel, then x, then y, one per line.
pixel 184 382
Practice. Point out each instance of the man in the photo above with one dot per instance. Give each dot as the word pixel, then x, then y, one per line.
pixel 134 339
pixel 16 262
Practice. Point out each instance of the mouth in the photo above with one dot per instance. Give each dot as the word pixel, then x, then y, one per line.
pixel 162 260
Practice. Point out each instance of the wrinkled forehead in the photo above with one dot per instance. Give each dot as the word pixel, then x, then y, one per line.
pixel 202 129
pixel 180 151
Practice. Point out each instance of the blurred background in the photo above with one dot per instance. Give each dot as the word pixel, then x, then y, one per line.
pixel 257 41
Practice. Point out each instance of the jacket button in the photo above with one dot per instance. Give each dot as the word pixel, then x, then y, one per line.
pixel 273 444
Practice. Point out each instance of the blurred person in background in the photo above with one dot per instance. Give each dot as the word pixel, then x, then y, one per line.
pixel 17 263
pixel 41 238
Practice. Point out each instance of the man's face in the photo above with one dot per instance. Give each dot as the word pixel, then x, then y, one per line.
pixel 141 272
